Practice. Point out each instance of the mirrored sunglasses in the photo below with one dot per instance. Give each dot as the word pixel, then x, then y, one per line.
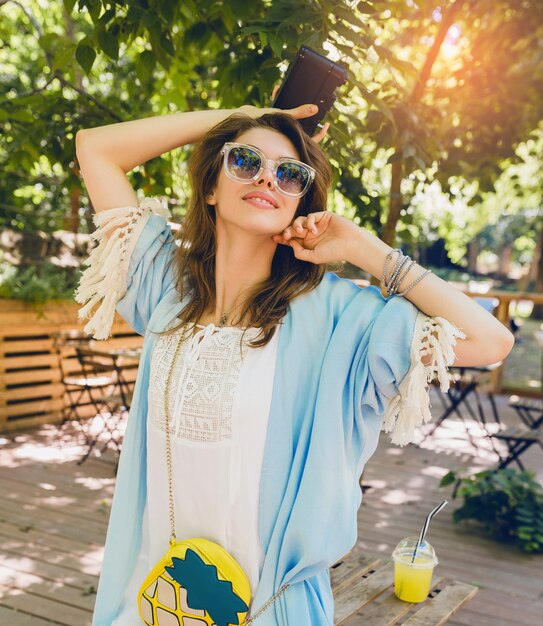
pixel 245 164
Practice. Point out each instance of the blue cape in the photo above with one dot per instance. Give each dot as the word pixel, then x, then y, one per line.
pixel 343 352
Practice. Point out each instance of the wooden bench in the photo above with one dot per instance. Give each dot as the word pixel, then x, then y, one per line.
pixel 364 595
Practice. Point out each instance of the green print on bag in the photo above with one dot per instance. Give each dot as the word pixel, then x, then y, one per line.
pixel 185 590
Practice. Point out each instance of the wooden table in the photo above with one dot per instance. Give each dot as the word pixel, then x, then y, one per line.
pixel 364 595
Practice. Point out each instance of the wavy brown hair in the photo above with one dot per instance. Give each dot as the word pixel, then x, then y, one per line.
pixel 267 303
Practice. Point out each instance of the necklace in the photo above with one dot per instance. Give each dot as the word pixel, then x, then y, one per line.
pixel 225 315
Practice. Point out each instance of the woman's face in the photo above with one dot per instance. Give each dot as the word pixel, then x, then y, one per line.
pixel 256 207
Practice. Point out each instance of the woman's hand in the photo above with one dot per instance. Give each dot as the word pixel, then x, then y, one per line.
pixel 318 137
pixel 299 113
pixel 322 237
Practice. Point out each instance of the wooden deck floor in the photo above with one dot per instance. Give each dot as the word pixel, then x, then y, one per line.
pixel 54 514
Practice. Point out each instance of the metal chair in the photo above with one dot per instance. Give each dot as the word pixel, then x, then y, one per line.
pixel 465 388
pixel 101 373
pixel 76 384
pixel 467 385
pixel 520 438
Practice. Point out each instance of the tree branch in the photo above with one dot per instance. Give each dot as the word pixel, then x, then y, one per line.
pixel 446 22
pixel 90 97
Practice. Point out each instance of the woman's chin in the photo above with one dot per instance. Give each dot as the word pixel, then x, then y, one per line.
pixel 263 227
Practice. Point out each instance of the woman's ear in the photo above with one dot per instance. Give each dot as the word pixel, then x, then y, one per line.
pixel 211 199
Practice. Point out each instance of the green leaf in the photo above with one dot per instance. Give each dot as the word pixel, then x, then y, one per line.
pixel 85 56
pixel 228 18
pixel 365 7
pixel 106 17
pixel 166 9
pixel 63 56
pixel 249 30
pixel 276 45
pixel 167 45
pixel 404 66
pixel 94 8
pixel 135 14
pixel 89 590
pixel 195 33
pixel 152 22
pixel 350 17
pixel 21 116
pixel 108 43
pixel 69 5
pixel 448 479
pixel 48 41
pixel 145 65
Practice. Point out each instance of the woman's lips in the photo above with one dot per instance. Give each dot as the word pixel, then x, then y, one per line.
pixel 260 204
pixel 261 199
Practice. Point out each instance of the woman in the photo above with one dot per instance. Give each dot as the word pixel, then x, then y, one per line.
pixel 276 376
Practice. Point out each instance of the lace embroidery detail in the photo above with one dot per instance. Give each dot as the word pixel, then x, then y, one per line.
pixel 434 336
pixel 102 284
pixel 204 382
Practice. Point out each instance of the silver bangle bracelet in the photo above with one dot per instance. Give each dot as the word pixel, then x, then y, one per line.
pixel 415 282
pixel 394 269
pixel 387 261
pixel 384 280
pixel 400 270
pixel 394 282
pixel 405 274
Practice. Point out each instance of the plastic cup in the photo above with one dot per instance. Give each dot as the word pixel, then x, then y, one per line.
pixel 412 579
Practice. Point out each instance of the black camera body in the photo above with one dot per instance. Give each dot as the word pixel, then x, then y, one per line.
pixel 311 79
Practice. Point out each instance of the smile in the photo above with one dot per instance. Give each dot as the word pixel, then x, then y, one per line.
pixel 261 202
pixel 261 198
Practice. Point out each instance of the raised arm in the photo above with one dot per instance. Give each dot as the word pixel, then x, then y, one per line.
pixel 326 237
pixel 107 153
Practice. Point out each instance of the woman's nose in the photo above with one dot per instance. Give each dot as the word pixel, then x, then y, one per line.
pixel 266 178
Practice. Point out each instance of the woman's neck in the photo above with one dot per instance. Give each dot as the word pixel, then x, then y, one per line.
pixel 240 264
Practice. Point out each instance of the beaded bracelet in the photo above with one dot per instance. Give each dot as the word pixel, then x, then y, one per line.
pixel 401 269
pixel 395 279
pixel 415 282
pixel 408 269
pixel 385 267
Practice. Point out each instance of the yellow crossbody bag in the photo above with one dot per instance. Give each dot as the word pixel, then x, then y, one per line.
pixel 193 574
pixel 197 582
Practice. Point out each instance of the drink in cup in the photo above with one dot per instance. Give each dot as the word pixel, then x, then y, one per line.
pixel 413 577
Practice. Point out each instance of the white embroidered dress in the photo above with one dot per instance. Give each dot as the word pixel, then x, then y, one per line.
pixel 219 405
pixel 220 397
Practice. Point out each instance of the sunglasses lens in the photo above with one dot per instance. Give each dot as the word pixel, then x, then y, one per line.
pixel 243 163
pixel 292 178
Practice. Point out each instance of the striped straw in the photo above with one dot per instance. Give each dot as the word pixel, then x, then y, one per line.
pixel 425 527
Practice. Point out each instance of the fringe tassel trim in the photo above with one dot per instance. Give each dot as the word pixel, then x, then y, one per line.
pixel 436 337
pixel 102 284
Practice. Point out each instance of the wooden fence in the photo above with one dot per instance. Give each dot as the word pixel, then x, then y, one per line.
pixel 31 389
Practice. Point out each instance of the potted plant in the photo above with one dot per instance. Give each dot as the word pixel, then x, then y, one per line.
pixel 508 503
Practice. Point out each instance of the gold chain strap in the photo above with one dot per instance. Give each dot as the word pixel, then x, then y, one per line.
pixel 182 338
pixel 266 605
pixel 168 443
